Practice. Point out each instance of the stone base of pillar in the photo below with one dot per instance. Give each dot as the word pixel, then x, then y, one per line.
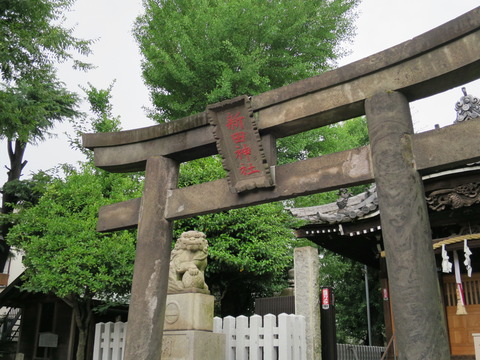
pixel 189 311
pixel 193 345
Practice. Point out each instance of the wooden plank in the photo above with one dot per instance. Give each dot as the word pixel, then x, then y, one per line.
pixel 460 329
pixel 243 341
pixel 255 330
pixel 230 332
pixel 269 325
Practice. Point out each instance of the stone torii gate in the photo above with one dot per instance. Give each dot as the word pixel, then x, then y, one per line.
pixel 380 86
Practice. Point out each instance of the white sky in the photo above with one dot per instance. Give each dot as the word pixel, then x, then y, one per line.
pixel 380 25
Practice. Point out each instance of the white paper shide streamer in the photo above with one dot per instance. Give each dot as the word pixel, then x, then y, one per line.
pixel 467 262
pixel 446 264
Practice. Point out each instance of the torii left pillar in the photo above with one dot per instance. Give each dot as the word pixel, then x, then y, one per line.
pixel 150 277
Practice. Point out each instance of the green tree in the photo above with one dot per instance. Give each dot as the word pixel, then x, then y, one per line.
pixel 250 249
pixel 347 279
pixel 32 36
pixel 326 140
pixel 198 52
pixel 63 253
pixel 32 99
pixel 30 109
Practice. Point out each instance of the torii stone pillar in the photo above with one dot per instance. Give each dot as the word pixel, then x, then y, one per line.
pixel 152 262
pixel 420 325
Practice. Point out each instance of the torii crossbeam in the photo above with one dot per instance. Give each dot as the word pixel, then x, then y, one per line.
pixel 380 86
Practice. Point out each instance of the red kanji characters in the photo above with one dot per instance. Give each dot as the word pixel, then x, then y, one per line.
pixel 239 137
pixel 235 121
pixel 243 152
pixel 248 170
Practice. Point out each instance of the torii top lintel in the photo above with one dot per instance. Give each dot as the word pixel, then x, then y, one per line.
pixel 314 102
pixel 435 61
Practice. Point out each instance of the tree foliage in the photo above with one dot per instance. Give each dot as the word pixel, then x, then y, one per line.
pixel 63 253
pixel 347 279
pixel 32 99
pixel 31 107
pixel 250 249
pixel 198 52
pixel 32 36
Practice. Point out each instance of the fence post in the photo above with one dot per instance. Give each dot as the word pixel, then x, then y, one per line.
pixel 284 337
pixel 107 341
pixel 118 341
pixel 299 339
pixel 269 323
pixel 230 343
pixel 255 331
pixel 217 325
pixel 97 349
pixel 242 342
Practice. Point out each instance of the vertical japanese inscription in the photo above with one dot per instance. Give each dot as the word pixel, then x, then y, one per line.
pixel 239 144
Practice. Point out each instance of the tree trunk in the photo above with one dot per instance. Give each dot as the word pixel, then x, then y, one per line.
pixel 82 344
pixel 82 312
pixel 14 173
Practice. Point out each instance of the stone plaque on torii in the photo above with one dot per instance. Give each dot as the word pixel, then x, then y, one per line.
pixel 380 86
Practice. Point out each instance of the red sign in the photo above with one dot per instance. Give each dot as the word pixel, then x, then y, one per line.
pixel 239 143
pixel 325 298
pixel 385 294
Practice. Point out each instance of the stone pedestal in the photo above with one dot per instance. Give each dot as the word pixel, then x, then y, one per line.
pixel 188 329
pixel 189 311
pixel 193 345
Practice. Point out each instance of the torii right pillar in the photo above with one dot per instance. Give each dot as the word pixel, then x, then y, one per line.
pixel 419 319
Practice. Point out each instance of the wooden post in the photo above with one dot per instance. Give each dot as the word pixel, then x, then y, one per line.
pixel 387 311
pixel 419 321
pixel 150 279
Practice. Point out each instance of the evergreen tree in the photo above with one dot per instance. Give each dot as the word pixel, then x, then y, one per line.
pixel 198 52
pixel 32 99
pixel 64 254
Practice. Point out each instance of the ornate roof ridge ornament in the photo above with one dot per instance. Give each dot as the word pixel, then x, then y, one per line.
pixel 346 213
pixel 454 198
pixel 467 108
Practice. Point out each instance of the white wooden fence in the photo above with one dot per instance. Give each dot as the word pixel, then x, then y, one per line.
pixel 255 338
pixel 109 341
pixel 359 352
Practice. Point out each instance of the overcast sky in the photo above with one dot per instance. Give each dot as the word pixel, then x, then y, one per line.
pixel 380 25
